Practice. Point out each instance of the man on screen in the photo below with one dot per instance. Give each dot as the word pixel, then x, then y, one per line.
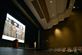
pixel 14 30
pixel 19 32
pixel 7 28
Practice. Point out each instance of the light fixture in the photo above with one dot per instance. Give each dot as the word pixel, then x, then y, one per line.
pixel 51 1
pixel 74 7
pixel 58 33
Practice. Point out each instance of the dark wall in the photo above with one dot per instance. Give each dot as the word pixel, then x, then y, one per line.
pixel 78 5
pixel 67 33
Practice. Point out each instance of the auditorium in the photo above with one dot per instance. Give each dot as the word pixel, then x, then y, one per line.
pixel 39 27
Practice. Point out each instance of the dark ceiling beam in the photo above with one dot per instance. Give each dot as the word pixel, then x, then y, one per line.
pixel 25 13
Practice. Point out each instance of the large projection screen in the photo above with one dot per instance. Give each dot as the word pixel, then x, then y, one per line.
pixel 13 29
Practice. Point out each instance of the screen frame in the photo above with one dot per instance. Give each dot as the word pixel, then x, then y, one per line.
pixel 10 38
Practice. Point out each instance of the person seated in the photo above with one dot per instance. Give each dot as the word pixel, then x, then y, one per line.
pixel 15 43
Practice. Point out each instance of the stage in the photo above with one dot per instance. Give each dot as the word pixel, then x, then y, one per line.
pixel 20 51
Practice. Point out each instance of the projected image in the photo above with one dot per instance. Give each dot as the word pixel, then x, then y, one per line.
pixel 13 29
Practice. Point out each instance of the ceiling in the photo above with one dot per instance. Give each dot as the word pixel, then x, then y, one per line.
pixel 49 12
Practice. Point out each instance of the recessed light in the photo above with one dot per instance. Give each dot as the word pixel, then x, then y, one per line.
pixel 73 6
pixel 51 1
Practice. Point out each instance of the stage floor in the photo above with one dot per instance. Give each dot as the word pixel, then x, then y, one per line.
pixel 14 51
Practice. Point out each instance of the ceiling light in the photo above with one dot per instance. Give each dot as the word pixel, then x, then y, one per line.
pixel 51 1
pixel 74 7
pixel 58 32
